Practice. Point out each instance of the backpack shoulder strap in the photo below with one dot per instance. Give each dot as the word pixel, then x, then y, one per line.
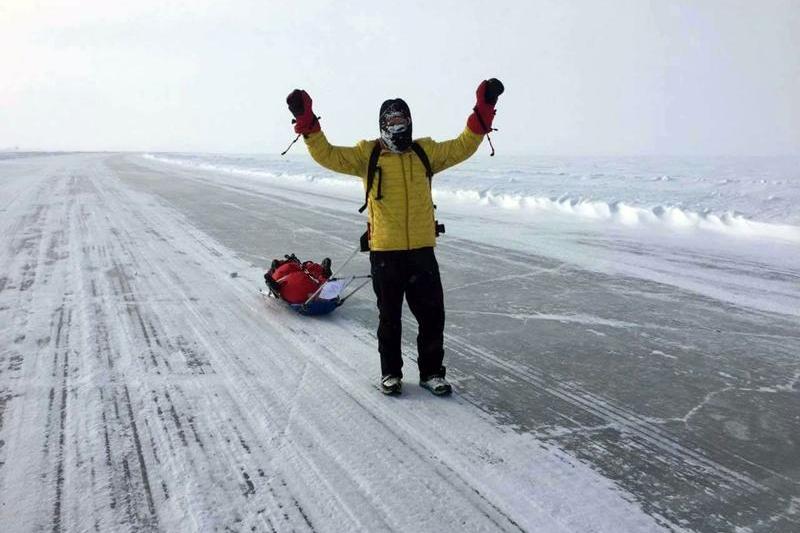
pixel 427 164
pixel 424 158
pixel 371 168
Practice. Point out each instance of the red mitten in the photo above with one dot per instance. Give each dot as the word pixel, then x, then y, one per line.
pixel 305 121
pixel 480 121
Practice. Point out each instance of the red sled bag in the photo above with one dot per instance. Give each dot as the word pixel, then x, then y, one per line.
pixel 293 281
pixel 308 287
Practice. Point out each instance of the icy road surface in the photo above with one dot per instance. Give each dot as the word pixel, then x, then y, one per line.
pixel 145 385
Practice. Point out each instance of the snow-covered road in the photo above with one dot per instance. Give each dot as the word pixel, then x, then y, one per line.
pixel 145 387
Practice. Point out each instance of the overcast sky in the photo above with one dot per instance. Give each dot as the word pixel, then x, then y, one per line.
pixel 582 77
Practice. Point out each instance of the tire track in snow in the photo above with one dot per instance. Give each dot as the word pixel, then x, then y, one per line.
pixel 41 254
pixel 147 334
pixel 62 420
pixel 153 519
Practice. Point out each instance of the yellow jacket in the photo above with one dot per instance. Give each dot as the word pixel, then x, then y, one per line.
pixel 403 218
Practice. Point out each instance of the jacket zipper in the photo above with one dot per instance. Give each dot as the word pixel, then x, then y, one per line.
pixel 405 185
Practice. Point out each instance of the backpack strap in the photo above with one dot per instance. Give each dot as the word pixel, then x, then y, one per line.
pixel 372 167
pixel 424 158
pixel 426 163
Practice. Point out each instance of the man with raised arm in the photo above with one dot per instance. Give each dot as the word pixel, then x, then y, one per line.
pixel 401 228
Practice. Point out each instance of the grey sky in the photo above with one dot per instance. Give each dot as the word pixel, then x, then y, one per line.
pixel 593 77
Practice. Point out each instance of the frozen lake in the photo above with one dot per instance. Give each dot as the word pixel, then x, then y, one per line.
pixel 649 367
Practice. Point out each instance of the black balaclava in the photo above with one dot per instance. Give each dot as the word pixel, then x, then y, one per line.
pixel 394 121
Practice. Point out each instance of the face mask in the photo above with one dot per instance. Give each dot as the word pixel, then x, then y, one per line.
pixel 395 125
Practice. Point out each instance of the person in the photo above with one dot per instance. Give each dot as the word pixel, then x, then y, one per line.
pixel 294 281
pixel 401 228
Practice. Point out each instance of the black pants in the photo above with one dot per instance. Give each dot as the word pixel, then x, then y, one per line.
pixel 415 274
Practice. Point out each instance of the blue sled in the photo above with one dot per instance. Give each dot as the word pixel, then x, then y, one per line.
pixel 317 307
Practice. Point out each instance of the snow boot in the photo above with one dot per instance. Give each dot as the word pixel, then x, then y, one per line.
pixel 437 385
pixel 391 384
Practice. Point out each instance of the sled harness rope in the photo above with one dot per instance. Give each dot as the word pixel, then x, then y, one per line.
pixel 313 122
pixel 485 129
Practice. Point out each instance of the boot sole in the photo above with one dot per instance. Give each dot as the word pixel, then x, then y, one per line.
pixel 445 392
pixel 391 391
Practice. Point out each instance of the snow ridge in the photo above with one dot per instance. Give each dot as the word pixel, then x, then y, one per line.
pixel 659 216
pixel 672 217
